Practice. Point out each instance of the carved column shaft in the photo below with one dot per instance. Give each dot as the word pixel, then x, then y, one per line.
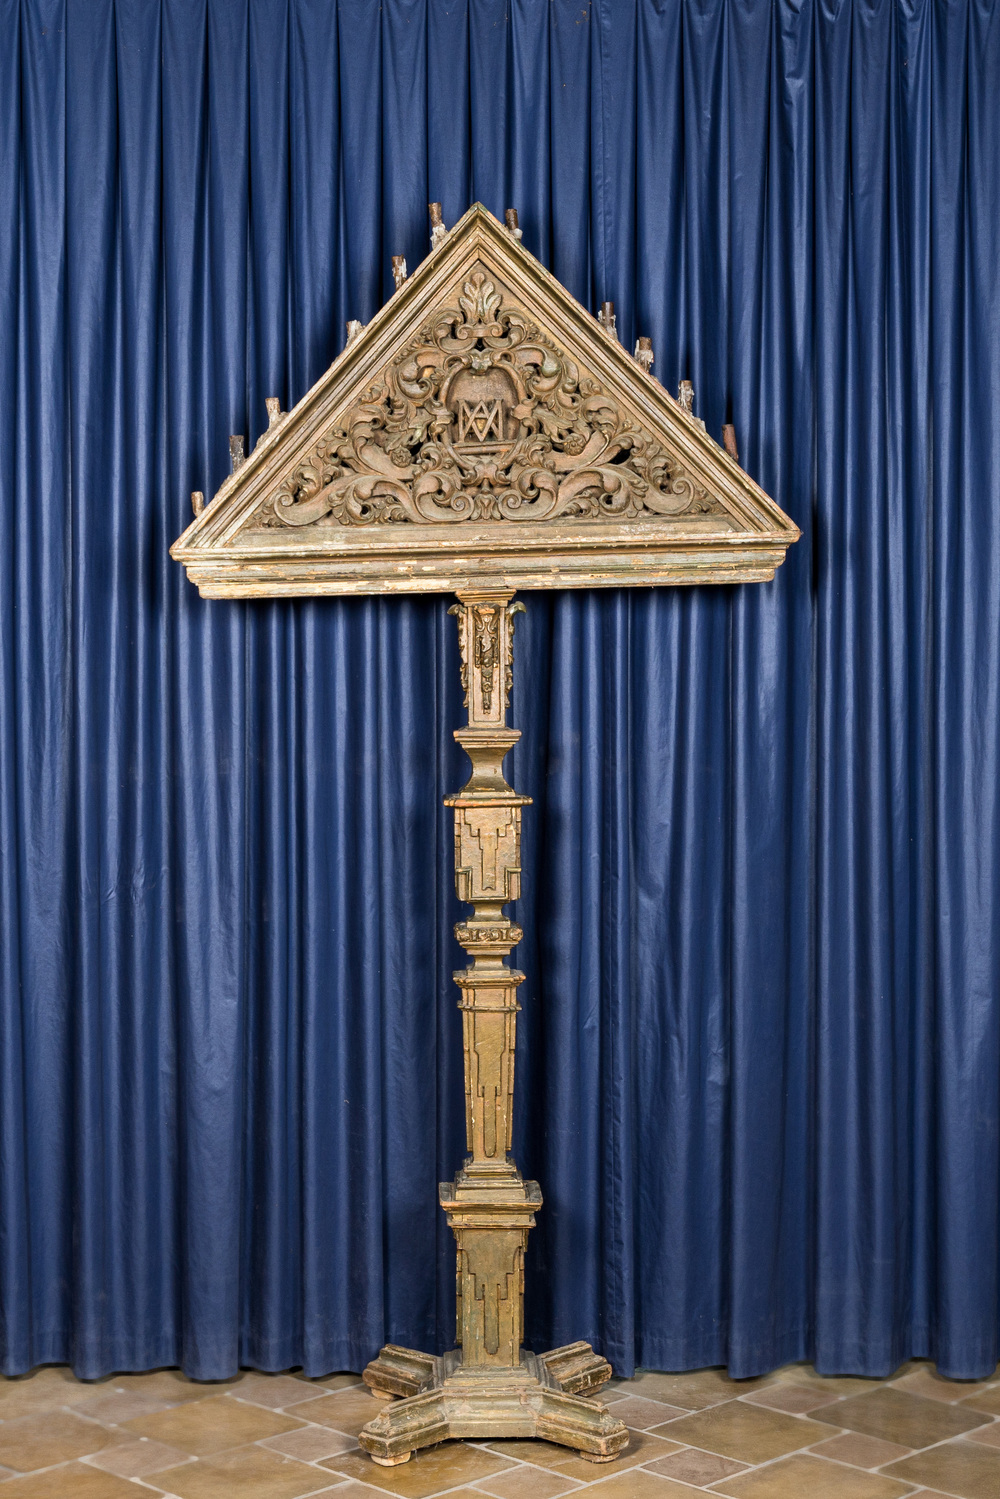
pixel 490 1207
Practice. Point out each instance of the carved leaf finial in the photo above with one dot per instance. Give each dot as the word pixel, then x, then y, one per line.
pixel 479 300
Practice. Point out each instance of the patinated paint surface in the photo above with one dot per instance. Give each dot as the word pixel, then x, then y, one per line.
pixel 484 434
pixel 484 431
pixel 491 1387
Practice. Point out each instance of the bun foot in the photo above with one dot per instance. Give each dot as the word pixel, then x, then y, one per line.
pixel 391 1462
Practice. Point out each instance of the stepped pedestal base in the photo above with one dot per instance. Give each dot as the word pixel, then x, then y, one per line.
pixel 443 1399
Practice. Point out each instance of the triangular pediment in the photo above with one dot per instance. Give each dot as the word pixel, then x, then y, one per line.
pixel 484 429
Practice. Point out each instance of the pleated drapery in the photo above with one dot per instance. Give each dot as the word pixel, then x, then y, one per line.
pixel 759 1061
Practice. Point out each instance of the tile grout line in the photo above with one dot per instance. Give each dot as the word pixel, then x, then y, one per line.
pixel 660 1429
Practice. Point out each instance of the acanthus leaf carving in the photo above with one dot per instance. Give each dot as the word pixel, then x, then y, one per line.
pixel 486 648
pixel 481 417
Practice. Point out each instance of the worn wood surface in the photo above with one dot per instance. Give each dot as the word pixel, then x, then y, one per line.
pixel 484 431
pixel 491 1388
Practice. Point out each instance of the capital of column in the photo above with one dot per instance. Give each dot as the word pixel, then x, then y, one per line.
pixel 486 641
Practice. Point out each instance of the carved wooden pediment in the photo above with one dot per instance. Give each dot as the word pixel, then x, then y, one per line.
pixel 484 430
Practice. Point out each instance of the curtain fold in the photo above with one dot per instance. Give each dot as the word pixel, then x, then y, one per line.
pixel 759 1050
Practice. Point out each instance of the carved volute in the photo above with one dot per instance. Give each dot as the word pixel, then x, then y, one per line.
pixel 483 417
pixel 484 430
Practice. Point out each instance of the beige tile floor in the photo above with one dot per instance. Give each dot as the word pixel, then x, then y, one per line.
pixel 791 1435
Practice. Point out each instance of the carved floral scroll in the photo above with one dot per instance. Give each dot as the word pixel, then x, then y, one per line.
pixel 482 417
pixel 482 429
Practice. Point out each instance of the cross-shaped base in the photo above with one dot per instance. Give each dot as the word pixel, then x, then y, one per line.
pixel 442 1399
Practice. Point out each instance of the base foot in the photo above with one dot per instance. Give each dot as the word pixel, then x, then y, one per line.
pixel 576 1368
pixel 454 1402
pixel 401 1372
pixel 391 1462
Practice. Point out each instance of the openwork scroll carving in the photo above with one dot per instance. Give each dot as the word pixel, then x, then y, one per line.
pixel 482 430
pixel 482 417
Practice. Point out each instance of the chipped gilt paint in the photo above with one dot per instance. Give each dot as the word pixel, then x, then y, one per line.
pixel 484 433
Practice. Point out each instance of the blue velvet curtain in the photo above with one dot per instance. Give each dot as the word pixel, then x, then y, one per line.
pixel 759 1060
